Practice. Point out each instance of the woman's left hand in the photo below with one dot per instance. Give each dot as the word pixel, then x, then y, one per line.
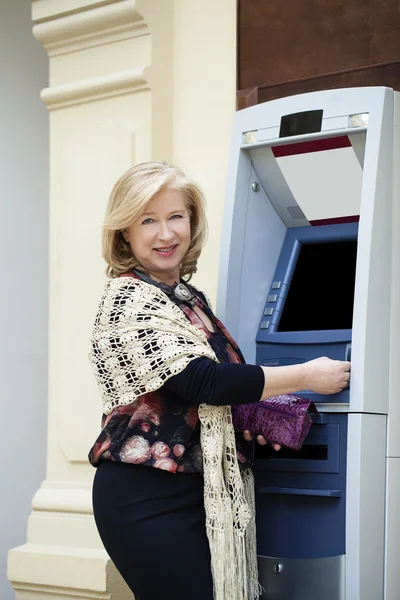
pixel 260 439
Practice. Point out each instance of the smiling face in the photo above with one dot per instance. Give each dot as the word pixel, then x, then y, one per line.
pixel 160 236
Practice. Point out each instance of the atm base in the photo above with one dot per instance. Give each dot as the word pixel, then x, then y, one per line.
pixel 302 579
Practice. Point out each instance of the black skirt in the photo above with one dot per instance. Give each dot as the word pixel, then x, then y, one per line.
pixel 152 524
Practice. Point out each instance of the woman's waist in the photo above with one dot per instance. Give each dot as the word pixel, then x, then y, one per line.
pixel 166 453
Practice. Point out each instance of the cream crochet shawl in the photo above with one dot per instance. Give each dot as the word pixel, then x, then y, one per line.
pixel 140 339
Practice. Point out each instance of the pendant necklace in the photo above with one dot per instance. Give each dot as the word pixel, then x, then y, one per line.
pixel 179 291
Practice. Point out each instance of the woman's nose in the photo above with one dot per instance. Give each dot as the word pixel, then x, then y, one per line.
pixel 165 232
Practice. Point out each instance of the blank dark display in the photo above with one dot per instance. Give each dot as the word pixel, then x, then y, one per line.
pixel 321 293
pixel 309 121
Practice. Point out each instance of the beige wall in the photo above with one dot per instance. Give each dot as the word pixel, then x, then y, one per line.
pixel 129 81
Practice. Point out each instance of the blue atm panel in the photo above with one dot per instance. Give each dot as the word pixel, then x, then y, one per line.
pixel 301 514
pixel 301 496
pixel 309 308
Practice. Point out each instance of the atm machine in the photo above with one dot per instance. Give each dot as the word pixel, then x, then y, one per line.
pixel 310 266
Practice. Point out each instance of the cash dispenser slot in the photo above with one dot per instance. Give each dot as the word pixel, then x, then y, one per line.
pixel 300 492
pixel 320 452
pixel 307 452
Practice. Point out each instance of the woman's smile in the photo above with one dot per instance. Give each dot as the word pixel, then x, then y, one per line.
pixel 166 251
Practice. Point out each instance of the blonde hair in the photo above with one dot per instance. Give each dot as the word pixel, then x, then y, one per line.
pixel 130 195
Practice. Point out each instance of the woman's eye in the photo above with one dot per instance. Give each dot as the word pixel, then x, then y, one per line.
pixel 177 217
pixel 147 221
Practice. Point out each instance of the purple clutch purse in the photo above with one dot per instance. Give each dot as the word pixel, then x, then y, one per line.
pixel 282 419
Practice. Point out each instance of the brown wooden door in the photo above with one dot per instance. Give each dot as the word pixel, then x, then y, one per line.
pixel 288 47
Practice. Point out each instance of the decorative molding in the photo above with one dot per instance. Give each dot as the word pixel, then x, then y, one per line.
pixel 44 10
pixel 64 497
pixel 90 28
pixel 95 88
pixel 51 591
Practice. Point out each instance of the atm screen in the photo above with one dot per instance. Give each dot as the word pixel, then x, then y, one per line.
pixel 321 292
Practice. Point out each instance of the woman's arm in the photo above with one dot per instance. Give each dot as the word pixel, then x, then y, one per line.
pixel 204 380
pixel 218 384
pixel 322 375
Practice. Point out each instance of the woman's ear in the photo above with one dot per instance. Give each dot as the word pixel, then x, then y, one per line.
pixel 125 234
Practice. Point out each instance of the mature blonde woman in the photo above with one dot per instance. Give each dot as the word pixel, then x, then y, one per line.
pixel 172 495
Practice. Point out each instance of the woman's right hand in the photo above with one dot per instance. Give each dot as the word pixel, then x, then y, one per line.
pixel 325 376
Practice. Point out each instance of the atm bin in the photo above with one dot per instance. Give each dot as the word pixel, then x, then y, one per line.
pixel 301 520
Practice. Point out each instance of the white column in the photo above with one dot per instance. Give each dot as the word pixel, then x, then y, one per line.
pixel 130 80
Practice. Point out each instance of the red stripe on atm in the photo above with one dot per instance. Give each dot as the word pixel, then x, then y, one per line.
pixel 333 143
pixel 335 220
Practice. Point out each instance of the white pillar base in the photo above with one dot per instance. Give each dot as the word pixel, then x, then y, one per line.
pixel 40 572
pixel 64 558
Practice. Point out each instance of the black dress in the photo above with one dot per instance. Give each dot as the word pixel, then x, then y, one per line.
pixel 152 520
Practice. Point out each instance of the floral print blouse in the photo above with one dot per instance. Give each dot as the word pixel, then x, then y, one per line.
pixel 157 429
